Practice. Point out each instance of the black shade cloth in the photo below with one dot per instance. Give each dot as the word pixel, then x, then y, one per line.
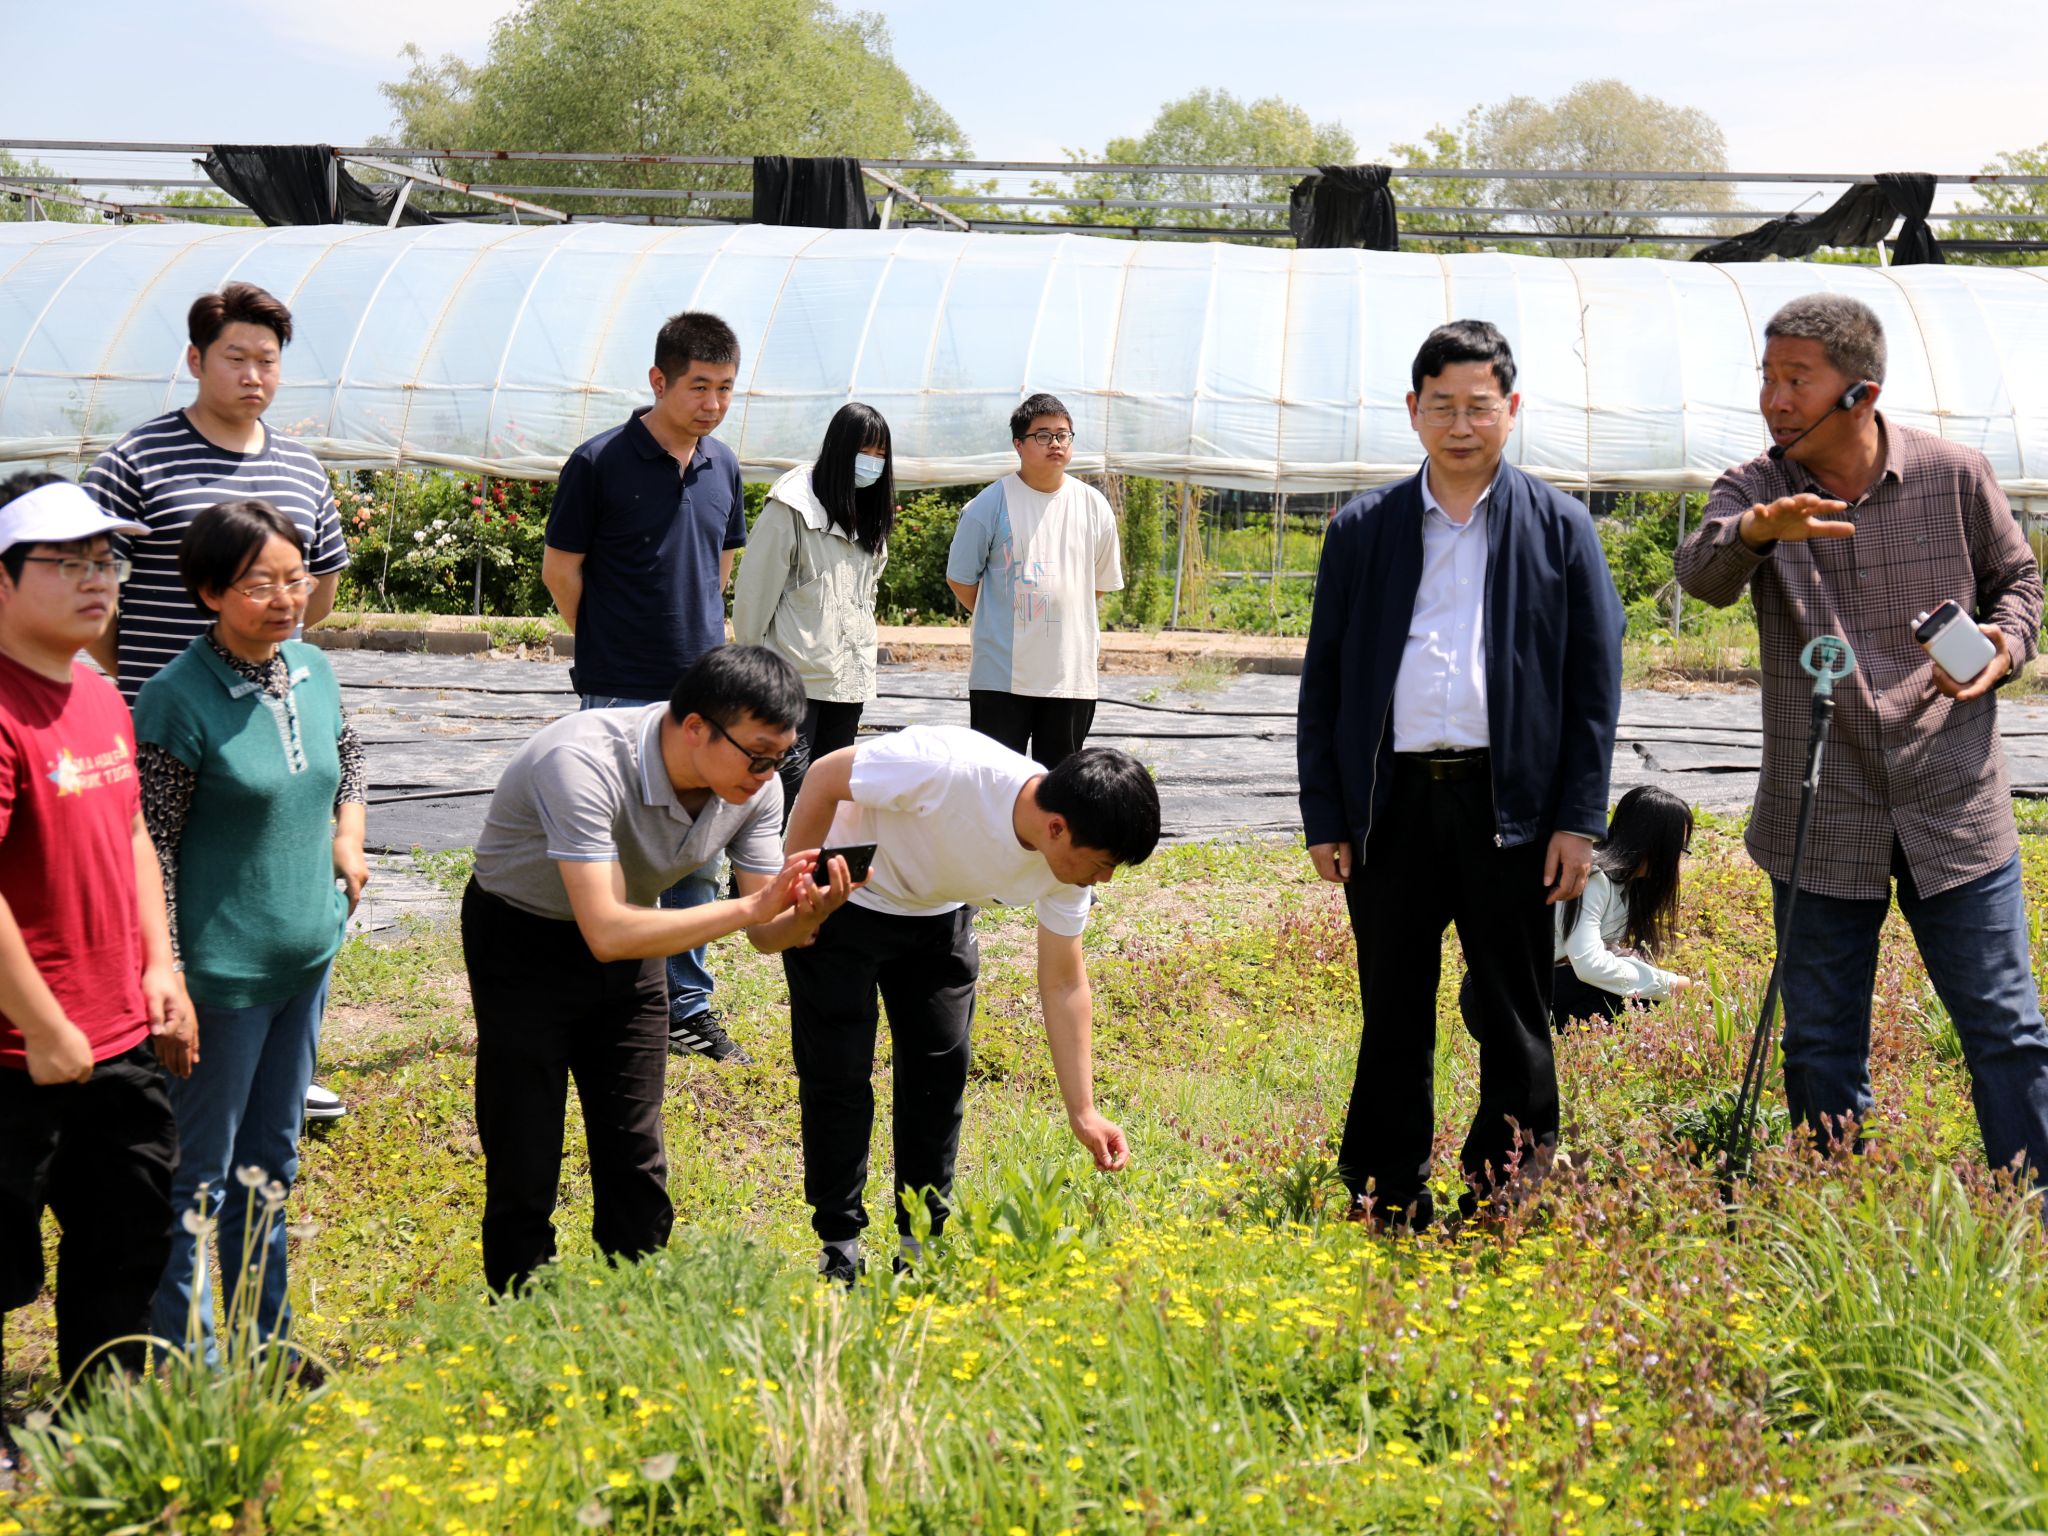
pixel 302 184
pixel 1343 206
pixel 827 192
pixel 1860 216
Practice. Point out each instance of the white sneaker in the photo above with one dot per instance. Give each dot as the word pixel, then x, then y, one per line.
pixel 322 1104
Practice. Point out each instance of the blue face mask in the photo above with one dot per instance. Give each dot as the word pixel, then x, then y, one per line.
pixel 867 469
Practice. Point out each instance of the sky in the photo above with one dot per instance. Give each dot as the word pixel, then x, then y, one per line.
pixel 1795 85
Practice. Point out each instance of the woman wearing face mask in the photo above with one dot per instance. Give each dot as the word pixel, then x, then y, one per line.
pixel 807 582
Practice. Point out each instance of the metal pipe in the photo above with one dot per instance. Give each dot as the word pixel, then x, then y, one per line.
pixel 899 190
pixel 388 169
pixel 1058 167
pixel 1192 205
pixel 120 211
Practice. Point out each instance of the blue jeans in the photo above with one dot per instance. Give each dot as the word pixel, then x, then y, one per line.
pixel 242 1108
pixel 689 981
pixel 1973 941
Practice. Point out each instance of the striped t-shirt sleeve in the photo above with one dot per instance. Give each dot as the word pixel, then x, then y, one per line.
pixel 111 482
pixel 328 551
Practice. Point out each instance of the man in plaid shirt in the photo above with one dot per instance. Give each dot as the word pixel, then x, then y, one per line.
pixel 1853 525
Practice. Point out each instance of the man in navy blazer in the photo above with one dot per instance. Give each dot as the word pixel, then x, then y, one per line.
pixel 1457 716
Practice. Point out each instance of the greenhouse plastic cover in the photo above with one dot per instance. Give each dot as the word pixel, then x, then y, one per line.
pixel 497 349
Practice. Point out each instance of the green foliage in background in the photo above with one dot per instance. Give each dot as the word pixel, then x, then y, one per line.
pixel 437 543
pixel 1209 127
pixel 1141 527
pixel 1999 207
pixel 670 77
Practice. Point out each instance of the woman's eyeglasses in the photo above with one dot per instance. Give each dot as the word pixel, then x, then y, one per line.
pixel 266 591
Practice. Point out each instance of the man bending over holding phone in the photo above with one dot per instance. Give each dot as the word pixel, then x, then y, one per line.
pixel 958 821
pixel 1853 525
pixel 593 819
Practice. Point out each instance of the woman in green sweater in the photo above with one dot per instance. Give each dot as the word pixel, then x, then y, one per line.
pixel 253 789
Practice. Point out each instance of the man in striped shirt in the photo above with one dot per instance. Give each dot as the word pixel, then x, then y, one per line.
pixel 168 470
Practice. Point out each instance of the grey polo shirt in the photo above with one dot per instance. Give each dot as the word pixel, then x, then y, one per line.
pixel 590 788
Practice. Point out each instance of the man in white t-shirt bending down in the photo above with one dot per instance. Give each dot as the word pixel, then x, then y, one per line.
pixel 959 822
pixel 1032 556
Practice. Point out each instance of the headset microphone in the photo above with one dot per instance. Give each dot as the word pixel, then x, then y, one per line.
pixel 1851 398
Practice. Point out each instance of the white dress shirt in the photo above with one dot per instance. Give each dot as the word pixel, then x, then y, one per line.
pixel 1440 691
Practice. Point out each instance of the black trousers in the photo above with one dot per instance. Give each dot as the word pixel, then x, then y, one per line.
pixel 1432 862
pixel 925 970
pixel 548 1010
pixel 99 1154
pixel 825 729
pixel 1572 1001
pixel 1051 730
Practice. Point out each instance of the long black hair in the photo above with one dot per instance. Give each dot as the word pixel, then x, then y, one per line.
pixel 1650 831
pixel 866 515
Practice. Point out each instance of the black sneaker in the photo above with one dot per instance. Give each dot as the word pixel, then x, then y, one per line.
pixel 702 1035
pixel 841 1263
pixel 323 1104
pixel 10 1460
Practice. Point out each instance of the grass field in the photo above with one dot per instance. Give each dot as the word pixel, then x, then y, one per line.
pixel 1197 1345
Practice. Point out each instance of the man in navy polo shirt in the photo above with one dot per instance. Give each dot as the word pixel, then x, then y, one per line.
pixel 640 546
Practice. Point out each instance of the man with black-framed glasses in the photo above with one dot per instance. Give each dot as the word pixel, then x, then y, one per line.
pixel 1459 696
pixel 1032 556
pixel 596 816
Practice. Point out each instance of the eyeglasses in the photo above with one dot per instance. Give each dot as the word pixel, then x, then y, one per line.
pixel 81 569
pixel 756 762
pixel 1046 438
pixel 1447 415
pixel 264 592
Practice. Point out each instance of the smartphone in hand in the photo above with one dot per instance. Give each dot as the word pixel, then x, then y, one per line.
pixel 1957 645
pixel 860 858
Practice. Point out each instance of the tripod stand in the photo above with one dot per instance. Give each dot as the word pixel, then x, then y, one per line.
pixel 1827 659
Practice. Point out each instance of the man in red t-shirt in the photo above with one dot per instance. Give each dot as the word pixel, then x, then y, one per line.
pixel 92 1009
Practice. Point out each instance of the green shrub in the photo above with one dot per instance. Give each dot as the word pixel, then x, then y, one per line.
pixel 913 589
pixel 434 543
pixel 1148 590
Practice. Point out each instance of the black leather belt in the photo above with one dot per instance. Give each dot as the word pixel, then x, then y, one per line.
pixel 1444 767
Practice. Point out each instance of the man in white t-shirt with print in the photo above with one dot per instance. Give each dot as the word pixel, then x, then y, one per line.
pixel 1031 557
pixel 958 822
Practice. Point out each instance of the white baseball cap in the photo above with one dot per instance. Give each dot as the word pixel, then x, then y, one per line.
pixel 58 513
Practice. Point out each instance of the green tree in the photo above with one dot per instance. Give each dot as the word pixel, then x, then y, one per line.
pixel 2003 211
pixel 1442 149
pixel 1210 127
pixel 1600 125
pixel 669 77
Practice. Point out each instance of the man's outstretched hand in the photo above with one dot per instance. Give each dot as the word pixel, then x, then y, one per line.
pixel 1794 519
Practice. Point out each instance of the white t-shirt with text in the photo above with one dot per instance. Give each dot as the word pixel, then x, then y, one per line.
pixel 1039 558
